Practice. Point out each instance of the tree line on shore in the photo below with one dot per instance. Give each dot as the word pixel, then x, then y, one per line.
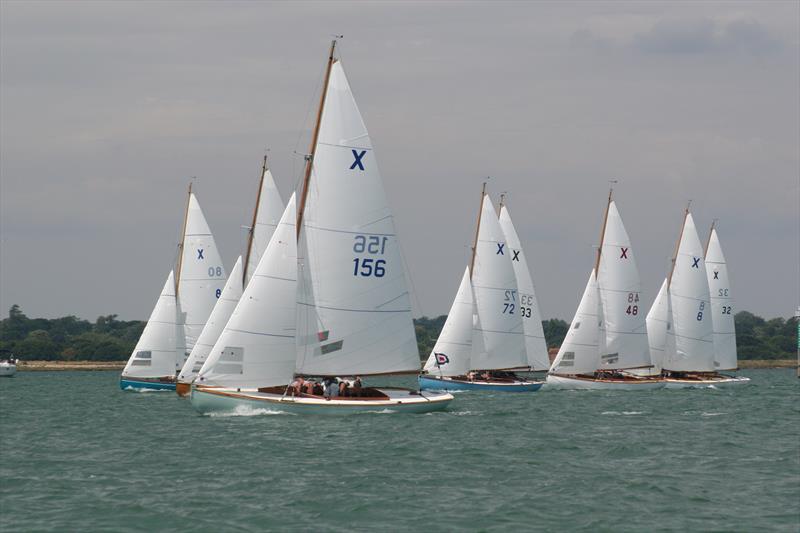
pixel 70 338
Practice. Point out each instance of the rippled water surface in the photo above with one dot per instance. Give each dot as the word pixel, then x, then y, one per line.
pixel 78 454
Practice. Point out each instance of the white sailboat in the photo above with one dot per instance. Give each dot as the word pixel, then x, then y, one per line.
pixel 702 341
pixel 266 213
pixel 181 310
pixel 353 308
pixel 8 364
pixel 611 310
pixel 497 344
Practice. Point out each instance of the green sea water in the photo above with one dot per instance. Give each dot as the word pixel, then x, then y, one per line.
pixel 78 454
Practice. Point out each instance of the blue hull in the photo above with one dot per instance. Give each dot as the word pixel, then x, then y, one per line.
pixel 128 384
pixel 432 383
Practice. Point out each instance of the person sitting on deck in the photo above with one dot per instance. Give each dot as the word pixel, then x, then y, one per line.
pixel 331 387
pixel 309 387
pixel 486 375
pixel 356 387
pixel 471 375
pixel 297 384
pixel 318 389
pixel 343 388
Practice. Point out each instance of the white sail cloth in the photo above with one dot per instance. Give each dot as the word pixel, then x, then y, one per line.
pixel 257 346
pixel 535 345
pixel 579 353
pixel 202 275
pixel 659 321
pixel 498 340
pixel 159 348
pixel 215 324
pixel 269 208
pixel 689 297
pixel 724 330
pixel 620 286
pixel 451 353
pixel 354 311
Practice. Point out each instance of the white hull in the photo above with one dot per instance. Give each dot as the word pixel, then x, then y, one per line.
pixel 7 369
pixel 712 381
pixel 208 400
pixel 581 383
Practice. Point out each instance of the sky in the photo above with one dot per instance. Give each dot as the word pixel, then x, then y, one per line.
pixel 107 109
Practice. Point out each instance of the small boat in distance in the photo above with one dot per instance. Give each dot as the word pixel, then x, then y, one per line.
pixel 8 364
pixel 482 353
pixel 182 308
pixel 329 297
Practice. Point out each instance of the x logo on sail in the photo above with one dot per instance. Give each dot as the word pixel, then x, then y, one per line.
pixel 696 263
pixel 500 246
pixel 516 255
pixel 716 275
pixel 200 253
pixel 624 253
pixel 357 162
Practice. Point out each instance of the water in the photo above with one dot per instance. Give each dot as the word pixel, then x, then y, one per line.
pixel 78 454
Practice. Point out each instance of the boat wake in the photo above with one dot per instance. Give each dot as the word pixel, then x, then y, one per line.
pixel 622 413
pixel 244 410
pixel 379 412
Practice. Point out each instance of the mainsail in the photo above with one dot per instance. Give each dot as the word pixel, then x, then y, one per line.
pixel 535 345
pixel 724 332
pixel 354 310
pixel 451 353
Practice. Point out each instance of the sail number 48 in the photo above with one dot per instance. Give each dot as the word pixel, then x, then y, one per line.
pixel 369 266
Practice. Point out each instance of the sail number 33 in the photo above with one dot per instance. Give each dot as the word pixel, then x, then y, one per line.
pixel 373 245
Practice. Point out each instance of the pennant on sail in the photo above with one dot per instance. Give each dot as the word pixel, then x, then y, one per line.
pixel 451 354
pixel 579 353
pixel 354 311
pixel 498 339
pixel 156 352
pixel 724 331
pixel 535 345
pixel 257 346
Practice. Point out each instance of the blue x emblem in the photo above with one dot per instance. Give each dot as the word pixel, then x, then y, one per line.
pixel 500 246
pixel 357 162
pixel 696 263
pixel 200 253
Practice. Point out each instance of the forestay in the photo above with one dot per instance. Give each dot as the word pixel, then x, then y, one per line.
pixel 269 207
pixel 451 353
pixel 620 287
pixel 724 331
pixel 354 311
pixel 500 342
pixel 535 345
pixel 579 353
pixel 215 324
pixel 201 276
pixel 257 346
pixel 689 297
pixel 155 354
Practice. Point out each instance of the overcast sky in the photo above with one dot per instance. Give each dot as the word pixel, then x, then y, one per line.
pixel 108 108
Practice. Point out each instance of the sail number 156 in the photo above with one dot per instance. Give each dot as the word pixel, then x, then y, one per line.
pixel 372 245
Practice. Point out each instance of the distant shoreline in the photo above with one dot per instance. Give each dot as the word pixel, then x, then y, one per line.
pixel 47 366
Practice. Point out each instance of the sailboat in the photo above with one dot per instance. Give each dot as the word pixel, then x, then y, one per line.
pixel 692 355
pixel 607 340
pixel 182 308
pixel 481 353
pixel 267 210
pixel 352 306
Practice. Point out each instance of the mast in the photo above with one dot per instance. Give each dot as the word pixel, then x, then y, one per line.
pixel 603 233
pixel 310 157
pixel 477 230
pixel 253 225
pixel 677 246
pixel 183 238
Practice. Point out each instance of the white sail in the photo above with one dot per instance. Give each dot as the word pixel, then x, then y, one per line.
pixel 268 212
pixel 155 354
pixel 724 331
pixel 451 353
pixel 689 297
pixel 202 274
pixel 257 346
pixel 579 353
pixel 620 288
pixel 659 320
pixel 215 324
pixel 535 345
pixel 501 342
pixel 354 310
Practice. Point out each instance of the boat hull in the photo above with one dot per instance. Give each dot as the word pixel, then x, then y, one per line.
pixel 587 383
pixel 144 384
pixel 445 384
pixel 183 389
pixel 214 400
pixel 7 370
pixel 705 382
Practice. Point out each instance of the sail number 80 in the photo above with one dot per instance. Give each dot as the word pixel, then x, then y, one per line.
pixel 368 266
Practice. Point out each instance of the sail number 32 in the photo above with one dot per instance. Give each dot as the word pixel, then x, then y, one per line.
pixel 369 266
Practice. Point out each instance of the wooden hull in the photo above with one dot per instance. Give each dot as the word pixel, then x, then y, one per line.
pixel 703 381
pixel 216 400
pixel 427 382
pixel 557 381
pixel 183 389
